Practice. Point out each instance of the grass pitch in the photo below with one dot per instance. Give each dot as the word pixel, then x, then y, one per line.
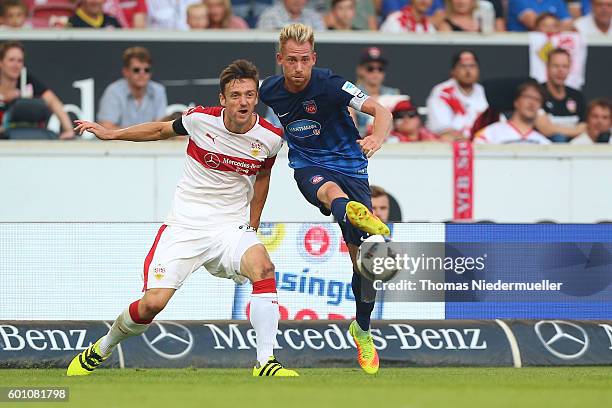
pixel 317 388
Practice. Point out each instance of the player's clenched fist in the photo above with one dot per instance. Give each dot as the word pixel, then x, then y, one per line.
pixel 370 145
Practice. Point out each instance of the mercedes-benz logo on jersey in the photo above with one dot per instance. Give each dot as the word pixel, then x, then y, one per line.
pixel 169 340
pixel 212 160
pixel 564 340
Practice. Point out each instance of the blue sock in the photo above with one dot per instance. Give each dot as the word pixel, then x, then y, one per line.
pixel 363 309
pixel 338 209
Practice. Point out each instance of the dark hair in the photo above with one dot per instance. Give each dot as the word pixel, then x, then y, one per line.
pixel 239 69
pixel 544 16
pixel 377 191
pixel 139 53
pixel 13 3
pixel 599 102
pixel 7 45
pixel 558 51
pixel 334 3
pixel 457 57
pixel 530 83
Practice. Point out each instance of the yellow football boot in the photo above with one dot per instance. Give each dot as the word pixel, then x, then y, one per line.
pixel 273 369
pixel 85 362
pixel 360 217
pixel 367 356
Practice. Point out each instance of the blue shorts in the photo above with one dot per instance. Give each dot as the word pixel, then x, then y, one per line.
pixel 310 179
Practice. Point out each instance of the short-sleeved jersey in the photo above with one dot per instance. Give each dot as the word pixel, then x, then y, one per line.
pixel 506 132
pixel 517 7
pixel 318 128
pixel 568 111
pixel 220 169
pixel 449 108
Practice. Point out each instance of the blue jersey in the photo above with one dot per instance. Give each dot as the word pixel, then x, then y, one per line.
pixel 318 128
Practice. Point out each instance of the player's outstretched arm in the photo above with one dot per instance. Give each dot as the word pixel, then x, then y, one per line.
pixel 138 133
pixel 260 194
pixel 380 130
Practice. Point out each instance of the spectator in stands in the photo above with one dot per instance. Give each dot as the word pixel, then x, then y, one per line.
pixel 220 16
pixel 12 57
pixel 341 15
pixel 15 14
pixel 197 16
pixel 435 10
pixel 288 12
pixel 460 16
pixel 370 78
pixel 168 14
pixel 251 10
pixel 454 105
pixel 408 126
pixel 520 127
pixel 598 123
pixel 410 19
pixel 135 98
pixel 599 21
pixel 129 13
pixel 380 203
pixel 499 14
pixel 563 108
pixel 548 23
pixel 365 15
pixel 90 14
pixel 522 14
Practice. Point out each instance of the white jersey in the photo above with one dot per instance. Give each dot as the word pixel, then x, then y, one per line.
pixel 403 21
pixel 586 26
pixel 449 108
pixel 220 169
pixel 506 132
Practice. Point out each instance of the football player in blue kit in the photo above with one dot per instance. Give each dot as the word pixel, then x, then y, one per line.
pixel 328 156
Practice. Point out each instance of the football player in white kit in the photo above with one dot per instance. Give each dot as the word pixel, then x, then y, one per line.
pixel 230 154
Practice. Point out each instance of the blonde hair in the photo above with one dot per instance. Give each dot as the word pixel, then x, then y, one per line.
pixel 450 10
pixel 227 17
pixel 196 6
pixel 300 33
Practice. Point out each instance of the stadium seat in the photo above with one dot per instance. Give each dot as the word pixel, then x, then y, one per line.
pixel 30 134
pixel 27 120
pixel 395 212
pixel 53 9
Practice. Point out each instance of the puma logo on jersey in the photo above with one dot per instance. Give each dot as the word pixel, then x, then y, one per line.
pixel 211 137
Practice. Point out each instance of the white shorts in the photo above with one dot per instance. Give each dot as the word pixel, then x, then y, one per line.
pixel 177 252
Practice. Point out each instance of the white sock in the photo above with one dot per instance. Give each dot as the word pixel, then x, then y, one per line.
pixel 123 328
pixel 264 319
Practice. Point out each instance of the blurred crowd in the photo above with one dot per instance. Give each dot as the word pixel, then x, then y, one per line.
pixel 500 111
pixel 391 16
pixel 547 109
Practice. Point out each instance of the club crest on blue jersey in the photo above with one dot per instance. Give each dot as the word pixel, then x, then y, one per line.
pixel 304 128
pixel 316 179
pixel 310 106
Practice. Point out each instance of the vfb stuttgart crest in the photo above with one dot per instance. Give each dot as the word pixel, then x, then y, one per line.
pixel 310 107
pixel 255 148
pixel 159 271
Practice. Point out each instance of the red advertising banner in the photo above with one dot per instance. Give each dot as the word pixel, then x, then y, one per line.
pixel 463 180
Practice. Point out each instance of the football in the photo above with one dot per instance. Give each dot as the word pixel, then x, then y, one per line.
pixel 371 255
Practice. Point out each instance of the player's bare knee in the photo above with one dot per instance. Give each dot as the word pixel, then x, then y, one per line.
pixel 328 192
